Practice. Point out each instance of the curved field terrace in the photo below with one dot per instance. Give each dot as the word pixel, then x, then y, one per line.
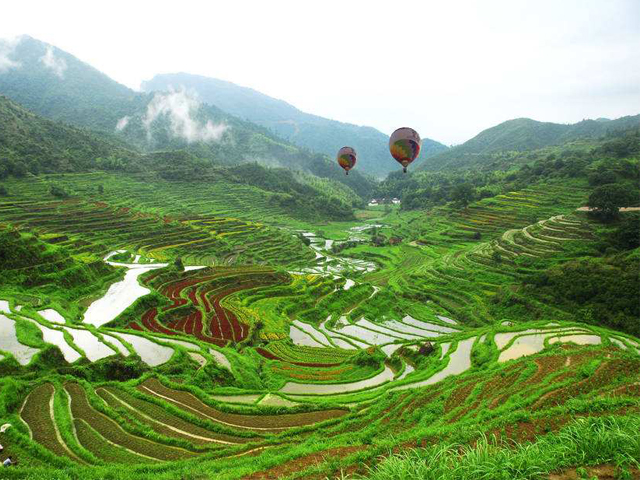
pixel 296 350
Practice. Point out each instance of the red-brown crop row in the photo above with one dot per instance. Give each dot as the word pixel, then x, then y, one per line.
pixel 205 294
pixel 151 323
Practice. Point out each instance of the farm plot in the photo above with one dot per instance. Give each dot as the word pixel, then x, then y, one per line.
pixel 305 356
pixel 38 413
pixel 87 226
pixel 114 433
pixel 194 405
pixel 164 422
pixel 198 303
pixel 9 342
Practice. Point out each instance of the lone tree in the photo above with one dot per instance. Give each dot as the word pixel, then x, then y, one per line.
pixel 177 263
pixel 606 200
pixel 463 194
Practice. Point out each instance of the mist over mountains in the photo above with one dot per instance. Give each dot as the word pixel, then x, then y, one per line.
pixel 227 124
pixel 57 85
pixel 304 129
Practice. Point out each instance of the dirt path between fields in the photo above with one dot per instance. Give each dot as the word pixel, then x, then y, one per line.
pixel 622 209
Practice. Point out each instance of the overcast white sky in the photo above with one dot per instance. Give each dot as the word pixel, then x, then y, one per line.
pixel 448 68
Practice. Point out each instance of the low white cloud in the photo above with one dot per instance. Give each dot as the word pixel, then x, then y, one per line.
pixel 7 46
pixel 180 107
pixel 55 64
pixel 122 123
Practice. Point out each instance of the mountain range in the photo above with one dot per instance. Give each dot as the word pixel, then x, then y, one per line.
pixel 224 124
pixel 303 129
pixel 56 85
pixel 518 135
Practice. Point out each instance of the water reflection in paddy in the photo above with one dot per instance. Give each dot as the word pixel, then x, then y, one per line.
pixel 382 329
pixel 303 339
pixel 369 336
pixel 220 358
pixel 311 331
pixel 93 348
pixel 56 337
pixel 402 327
pixel 151 353
pixel 9 342
pixel 579 339
pixel 522 346
pixel 272 400
pixel 124 351
pixel 52 315
pixel 459 361
pixel 427 326
pixel 337 388
pixel 237 398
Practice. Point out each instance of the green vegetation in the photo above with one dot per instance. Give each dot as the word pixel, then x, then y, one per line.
pixel 232 309
pixel 310 131
pixel 39 270
pixel 604 161
pixel 608 440
pixel 505 141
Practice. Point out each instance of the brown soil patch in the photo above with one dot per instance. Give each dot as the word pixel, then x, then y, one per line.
pixel 421 398
pixel 628 390
pixel 601 472
pixel 299 464
pixel 458 396
pixel 546 366
pixel 606 373
pixel 391 413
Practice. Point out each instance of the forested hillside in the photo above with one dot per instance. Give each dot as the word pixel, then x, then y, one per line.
pixel 34 146
pixel 310 131
pixel 610 159
pixel 521 135
pixel 57 85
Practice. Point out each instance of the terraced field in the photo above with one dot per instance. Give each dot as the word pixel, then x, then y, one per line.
pixel 197 304
pixel 98 226
pixel 269 358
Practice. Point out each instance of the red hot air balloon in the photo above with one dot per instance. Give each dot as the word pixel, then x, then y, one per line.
pixel 404 146
pixel 347 158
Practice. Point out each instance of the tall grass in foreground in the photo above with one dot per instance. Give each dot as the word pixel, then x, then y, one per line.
pixel 610 440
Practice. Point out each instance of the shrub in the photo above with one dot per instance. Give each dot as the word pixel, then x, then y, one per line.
pixel 371 357
pixel 58 191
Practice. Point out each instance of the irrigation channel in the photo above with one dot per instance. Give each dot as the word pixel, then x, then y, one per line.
pixel 452 343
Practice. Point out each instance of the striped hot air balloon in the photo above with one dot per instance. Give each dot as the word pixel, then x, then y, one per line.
pixel 347 158
pixel 404 146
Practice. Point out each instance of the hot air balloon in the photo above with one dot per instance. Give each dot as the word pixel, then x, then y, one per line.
pixel 404 146
pixel 347 158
